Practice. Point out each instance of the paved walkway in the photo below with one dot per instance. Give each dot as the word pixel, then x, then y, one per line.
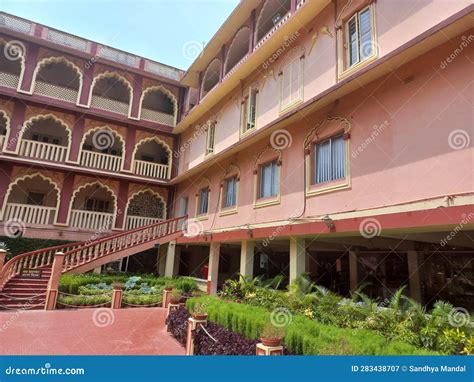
pixel 86 332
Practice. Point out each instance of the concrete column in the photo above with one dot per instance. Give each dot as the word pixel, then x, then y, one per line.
pixel 137 94
pixel 31 60
pixel 77 135
pixel 16 125
pixel 121 205
pixel 129 148
pixel 162 260
pixel 97 270
pixel 213 274
pixel 88 77
pixel 414 275
pixel 170 259
pixel 297 257
pixel 247 249
pixel 353 270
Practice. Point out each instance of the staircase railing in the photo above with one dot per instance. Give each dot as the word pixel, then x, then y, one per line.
pixel 118 242
pixel 79 253
pixel 31 260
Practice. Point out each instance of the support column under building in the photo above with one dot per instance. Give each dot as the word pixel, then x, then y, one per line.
pixel 247 251
pixel 213 274
pixel 298 257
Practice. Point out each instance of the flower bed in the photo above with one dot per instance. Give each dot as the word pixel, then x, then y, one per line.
pixel 303 335
pixel 444 330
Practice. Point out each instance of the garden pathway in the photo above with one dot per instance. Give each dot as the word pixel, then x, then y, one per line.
pixel 86 331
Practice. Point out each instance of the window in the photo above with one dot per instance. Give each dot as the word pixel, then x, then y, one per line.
pixel 249 109
pixel 183 206
pixel 203 206
pixel 269 180
pixel 291 83
pixel 35 198
pixel 330 160
pixel 210 138
pixel 96 205
pixel 230 199
pixel 359 37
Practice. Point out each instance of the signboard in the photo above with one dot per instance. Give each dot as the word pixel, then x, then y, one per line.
pixel 31 273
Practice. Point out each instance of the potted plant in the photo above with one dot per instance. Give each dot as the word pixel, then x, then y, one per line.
pixel 272 335
pixel 175 296
pixel 199 311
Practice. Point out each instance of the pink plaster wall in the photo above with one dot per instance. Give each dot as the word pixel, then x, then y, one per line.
pixel 410 159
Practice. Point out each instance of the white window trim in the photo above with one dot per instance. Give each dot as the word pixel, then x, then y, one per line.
pixel 260 202
pixel 285 107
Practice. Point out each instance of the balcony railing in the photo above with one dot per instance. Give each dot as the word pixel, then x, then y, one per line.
pixel 91 220
pixel 151 170
pixel 273 30
pixel 109 104
pixel 9 80
pixel 2 141
pixel 101 161
pixel 45 151
pixel 54 91
pixel 156 116
pixel 28 213
pixel 139 221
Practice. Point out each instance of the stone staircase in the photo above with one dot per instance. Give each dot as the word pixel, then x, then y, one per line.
pixel 26 279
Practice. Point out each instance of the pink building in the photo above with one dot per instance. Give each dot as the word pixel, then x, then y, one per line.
pixel 324 137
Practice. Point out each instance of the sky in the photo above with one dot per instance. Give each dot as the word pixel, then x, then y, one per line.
pixel 168 31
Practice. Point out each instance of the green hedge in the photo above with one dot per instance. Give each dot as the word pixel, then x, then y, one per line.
pixel 17 246
pixel 303 335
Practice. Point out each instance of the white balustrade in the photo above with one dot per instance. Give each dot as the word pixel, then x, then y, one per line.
pixel 101 161
pixel 151 170
pixel 41 150
pixel 156 116
pixel 100 221
pixel 29 214
pixel 139 221
pixel 55 91
pixel 2 141
pixel 9 80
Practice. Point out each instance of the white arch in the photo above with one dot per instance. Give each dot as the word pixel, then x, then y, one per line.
pixel 256 39
pixel 206 71
pixel 113 132
pixel 27 125
pixel 30 176
pixel 157 140
pixel 91 184
pixel 144 191
pixel 7 126
pixel 22 61
pixel 55 60
pixel 120 78
pixel 166 92
pixel 231 46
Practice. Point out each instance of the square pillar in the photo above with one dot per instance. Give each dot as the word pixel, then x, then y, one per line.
pixel 121 205
pixel 297 257
pixel 247 257
pixel 171 261
pixel 414 275
pixel 353 270
pixel 161 266
pixel 65 200
pixel 213 274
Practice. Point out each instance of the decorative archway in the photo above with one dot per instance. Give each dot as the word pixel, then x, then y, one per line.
pixel 18 212
pixel 57 60
pixel 139 218
pixel 165 92
pixel 118 78
pixel 211 77
pixel 265 20
pixel 145 171
pixel 238 48
pixel 14 51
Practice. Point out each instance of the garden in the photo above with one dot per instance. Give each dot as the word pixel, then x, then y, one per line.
pixel 308 319
pixel 95 290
